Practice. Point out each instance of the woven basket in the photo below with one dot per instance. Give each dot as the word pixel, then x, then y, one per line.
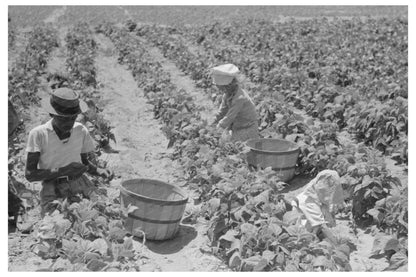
pixel 160 208
pixel 281 155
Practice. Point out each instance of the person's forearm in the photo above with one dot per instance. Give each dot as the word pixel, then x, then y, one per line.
pixel 220 115
pixel 92 168
pixel 328 234
pixel 222 111
pixel 42 175
pixel 232 113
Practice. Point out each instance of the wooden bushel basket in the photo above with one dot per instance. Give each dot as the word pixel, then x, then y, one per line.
pixel 281 155
pixel 160 208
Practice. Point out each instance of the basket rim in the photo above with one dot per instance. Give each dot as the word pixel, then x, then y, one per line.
pixel 292 151
pixel 155 200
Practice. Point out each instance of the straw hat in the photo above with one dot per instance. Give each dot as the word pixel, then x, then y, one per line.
pixel 64 102
pixel 224 74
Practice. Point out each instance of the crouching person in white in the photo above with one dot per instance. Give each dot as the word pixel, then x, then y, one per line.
pixel 316 201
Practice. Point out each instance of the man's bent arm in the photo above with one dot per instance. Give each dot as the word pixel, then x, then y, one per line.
pixel 86 160
pixel 34 174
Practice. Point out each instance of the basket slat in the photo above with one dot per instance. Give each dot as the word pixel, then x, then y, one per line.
pixel 280 155
pixel 160 207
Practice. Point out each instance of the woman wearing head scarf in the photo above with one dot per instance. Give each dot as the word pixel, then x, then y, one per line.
pixel 317 200
pixel 237 111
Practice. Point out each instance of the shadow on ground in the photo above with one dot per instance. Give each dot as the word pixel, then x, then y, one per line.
pixel 185 235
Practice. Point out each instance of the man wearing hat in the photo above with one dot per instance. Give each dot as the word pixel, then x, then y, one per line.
pixel 237 111
pixel 57 151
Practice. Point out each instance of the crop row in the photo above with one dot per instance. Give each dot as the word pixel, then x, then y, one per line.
pixel 319 144
pixel 315 66
pixel 288 124
pixel 245 214
pixel 11 34
pixel 24 74
pixel 277 116
pixel 381 44
pixel 319 46
pixel 209 162
pixel 81 54
pixel 81 236
pixel 24 83
pixel 86 235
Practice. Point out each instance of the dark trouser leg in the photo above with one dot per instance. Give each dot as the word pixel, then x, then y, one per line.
pixel 84 186
pixel 51 191
pixel 47 196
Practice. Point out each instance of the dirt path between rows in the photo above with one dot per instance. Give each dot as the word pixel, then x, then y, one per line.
pixel 142 149
pixel 182 81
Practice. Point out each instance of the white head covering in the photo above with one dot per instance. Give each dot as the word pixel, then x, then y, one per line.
pixel 327 185
pixel 224 74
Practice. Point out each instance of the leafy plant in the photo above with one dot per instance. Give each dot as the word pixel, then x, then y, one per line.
pixel 86 233
pixel 82 49
pixel 372 188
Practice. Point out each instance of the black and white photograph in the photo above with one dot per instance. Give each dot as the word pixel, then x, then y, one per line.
pixel 207 138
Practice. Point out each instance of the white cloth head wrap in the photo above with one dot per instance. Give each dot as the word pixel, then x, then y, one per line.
pixel 224 74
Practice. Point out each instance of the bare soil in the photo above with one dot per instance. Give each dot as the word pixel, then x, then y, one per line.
pixel 142 154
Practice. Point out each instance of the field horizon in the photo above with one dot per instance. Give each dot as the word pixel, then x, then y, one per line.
pixel 24 16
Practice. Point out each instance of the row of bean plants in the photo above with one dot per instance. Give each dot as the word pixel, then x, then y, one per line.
pixel 82 51
pixel 25 72
pixel 248 226
pixel 24 82
pixel 314 65
pixel 86 235
pixel 361 163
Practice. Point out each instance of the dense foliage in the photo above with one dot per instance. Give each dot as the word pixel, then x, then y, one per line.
pixel 352 72
pixel 24 82
pixel 86 234
pixel 345 113
pixel 235 199
pixel 319 141
pixel 24 74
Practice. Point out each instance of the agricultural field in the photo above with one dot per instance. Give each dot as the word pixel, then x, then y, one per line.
pixel 332 79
